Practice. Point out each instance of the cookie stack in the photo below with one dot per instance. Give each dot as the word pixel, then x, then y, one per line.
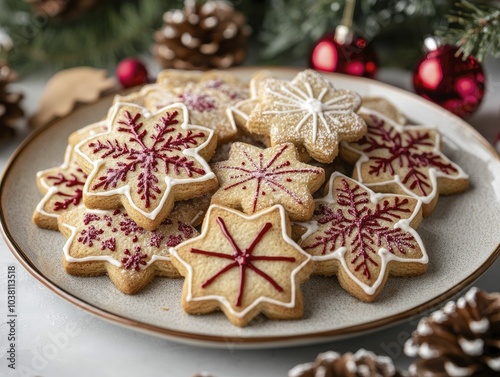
pixel 244 161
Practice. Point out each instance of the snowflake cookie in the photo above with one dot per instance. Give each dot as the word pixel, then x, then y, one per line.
pixel 363 237
pixel 254 179
pixel 404 160
pixel 309 112
pixel 243 265
pixel 146 161
pixel 110 242
pixel 208 99
pixel 62 187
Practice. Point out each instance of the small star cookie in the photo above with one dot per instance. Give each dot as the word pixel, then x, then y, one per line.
pixel 146 161
pixel 110 242
pixel 363 237
pixel 243 265
pixel 254 179
pixel 309 112
pixel 404 160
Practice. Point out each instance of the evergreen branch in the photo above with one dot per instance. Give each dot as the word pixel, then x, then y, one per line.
pixel 475 28
pixel 100 38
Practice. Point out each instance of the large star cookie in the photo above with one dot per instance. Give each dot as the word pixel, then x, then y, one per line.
pixel 363 237
pixel 101 242
pixel 146 161
pixel 243 265
pixel 254 179
pixel 309 112
pixel 62 187
pixel 404 160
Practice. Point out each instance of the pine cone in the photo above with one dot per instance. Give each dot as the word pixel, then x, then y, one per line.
pixel 362 363
pixel 62 9
pixel 9 102
pixel 461 339
pixel 212 35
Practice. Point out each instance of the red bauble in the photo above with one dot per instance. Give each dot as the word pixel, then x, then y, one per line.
pixel 354 58
pixel 446 79
pixel 131 72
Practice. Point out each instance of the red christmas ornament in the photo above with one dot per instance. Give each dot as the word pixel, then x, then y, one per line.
pixel 446 79
pixel 354 56
pixel 131 72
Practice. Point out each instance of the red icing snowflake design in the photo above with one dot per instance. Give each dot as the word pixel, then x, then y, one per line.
pixel 242 259
pixel 250 170
pixel 145 152
pixel 243 265
pixel 406 155
pixel 115 232
pixel 352 228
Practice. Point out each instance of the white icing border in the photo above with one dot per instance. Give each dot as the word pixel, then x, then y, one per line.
pixel 385 255
pixel 433 172
pixel 223 300
pixel 103 258
pixel 170 182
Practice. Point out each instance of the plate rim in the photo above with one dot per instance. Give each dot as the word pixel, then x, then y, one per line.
pixel 247 342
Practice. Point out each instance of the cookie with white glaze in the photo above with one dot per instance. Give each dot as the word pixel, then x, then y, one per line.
pixel 308 112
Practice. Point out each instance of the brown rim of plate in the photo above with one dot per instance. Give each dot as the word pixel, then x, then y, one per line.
pixel 234 341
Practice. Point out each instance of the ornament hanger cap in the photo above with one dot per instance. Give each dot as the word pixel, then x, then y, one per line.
pixel 343 35
pixel 431 43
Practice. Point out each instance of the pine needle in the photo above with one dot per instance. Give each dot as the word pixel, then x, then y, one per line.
pixel 475 28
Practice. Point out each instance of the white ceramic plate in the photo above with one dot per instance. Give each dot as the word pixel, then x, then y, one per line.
pixel 461 236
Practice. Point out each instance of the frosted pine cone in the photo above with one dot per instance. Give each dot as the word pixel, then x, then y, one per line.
pixel 212 35
pixel 9 102
pixel 461 339
pixel 361 364
pixel 62 9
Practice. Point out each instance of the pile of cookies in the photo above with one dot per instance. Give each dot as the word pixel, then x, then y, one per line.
pixel 203 176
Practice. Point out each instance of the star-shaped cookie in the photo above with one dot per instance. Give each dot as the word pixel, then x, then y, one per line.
pixel 308 112
pixel 363 237
pixel 146 161
pixel 110 242
pixel 62 187
pixel 404 160
pixel 209 99
pixel 254 179
pixel 243 265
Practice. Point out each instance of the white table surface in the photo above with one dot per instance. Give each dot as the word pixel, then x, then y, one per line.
pixel 55 338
